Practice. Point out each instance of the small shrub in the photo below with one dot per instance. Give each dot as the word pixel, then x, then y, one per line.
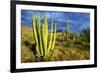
pixel 27 55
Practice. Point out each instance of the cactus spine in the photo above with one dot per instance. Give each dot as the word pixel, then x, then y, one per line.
pixel 43 46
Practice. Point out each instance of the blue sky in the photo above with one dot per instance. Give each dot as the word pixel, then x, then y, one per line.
pixel 76 20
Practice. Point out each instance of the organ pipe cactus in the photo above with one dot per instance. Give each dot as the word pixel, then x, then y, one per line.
pixel 43 45
pixel 35 35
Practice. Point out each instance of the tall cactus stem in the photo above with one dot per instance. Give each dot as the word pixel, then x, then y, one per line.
pixel 67 25
pixel 35 34
pixel 54 38
pixel 45 34
pixel 39 34
pixel 51 36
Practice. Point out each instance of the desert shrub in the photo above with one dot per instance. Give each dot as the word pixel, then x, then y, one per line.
pixel 77 42
pixel 85 34
pixel 78 54
pixel 27 37
pixel 59 39
pixel 27 55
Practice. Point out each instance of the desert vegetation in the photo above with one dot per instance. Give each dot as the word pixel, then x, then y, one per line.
pixel 41 45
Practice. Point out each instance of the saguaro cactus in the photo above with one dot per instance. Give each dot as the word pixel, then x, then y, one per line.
pixel 65 34
pixel 67 25
pixel 43 46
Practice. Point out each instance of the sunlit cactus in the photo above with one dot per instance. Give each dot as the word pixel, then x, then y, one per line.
pixel 45 34
pixel 35 35
pixel 65 34
pixel 51 37
pixel 43 44
pixel 39 34
pixel 54 38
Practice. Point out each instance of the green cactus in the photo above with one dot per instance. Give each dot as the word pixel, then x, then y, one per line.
pixel 63 35
pixel 51 37
pixel 43 46
pixel 39 33
pixel 54 38
pixel 35 34
pixel 67 25
pixel 45 34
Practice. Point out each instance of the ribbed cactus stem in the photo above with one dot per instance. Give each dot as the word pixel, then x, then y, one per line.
pixel 39 34
pixel 45 34
pixel 51 36
pixel 67 24
pixel 35 34
pixel 54 38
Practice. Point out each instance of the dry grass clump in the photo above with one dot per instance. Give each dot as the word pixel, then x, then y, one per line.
pixel 27 55
pixel 62 54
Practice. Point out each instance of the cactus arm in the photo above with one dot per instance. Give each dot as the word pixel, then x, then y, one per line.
pixel 35 34
pixel 45 33
pixel 39 34
pixel 51 36
pixel 54 38
pixel 67 24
